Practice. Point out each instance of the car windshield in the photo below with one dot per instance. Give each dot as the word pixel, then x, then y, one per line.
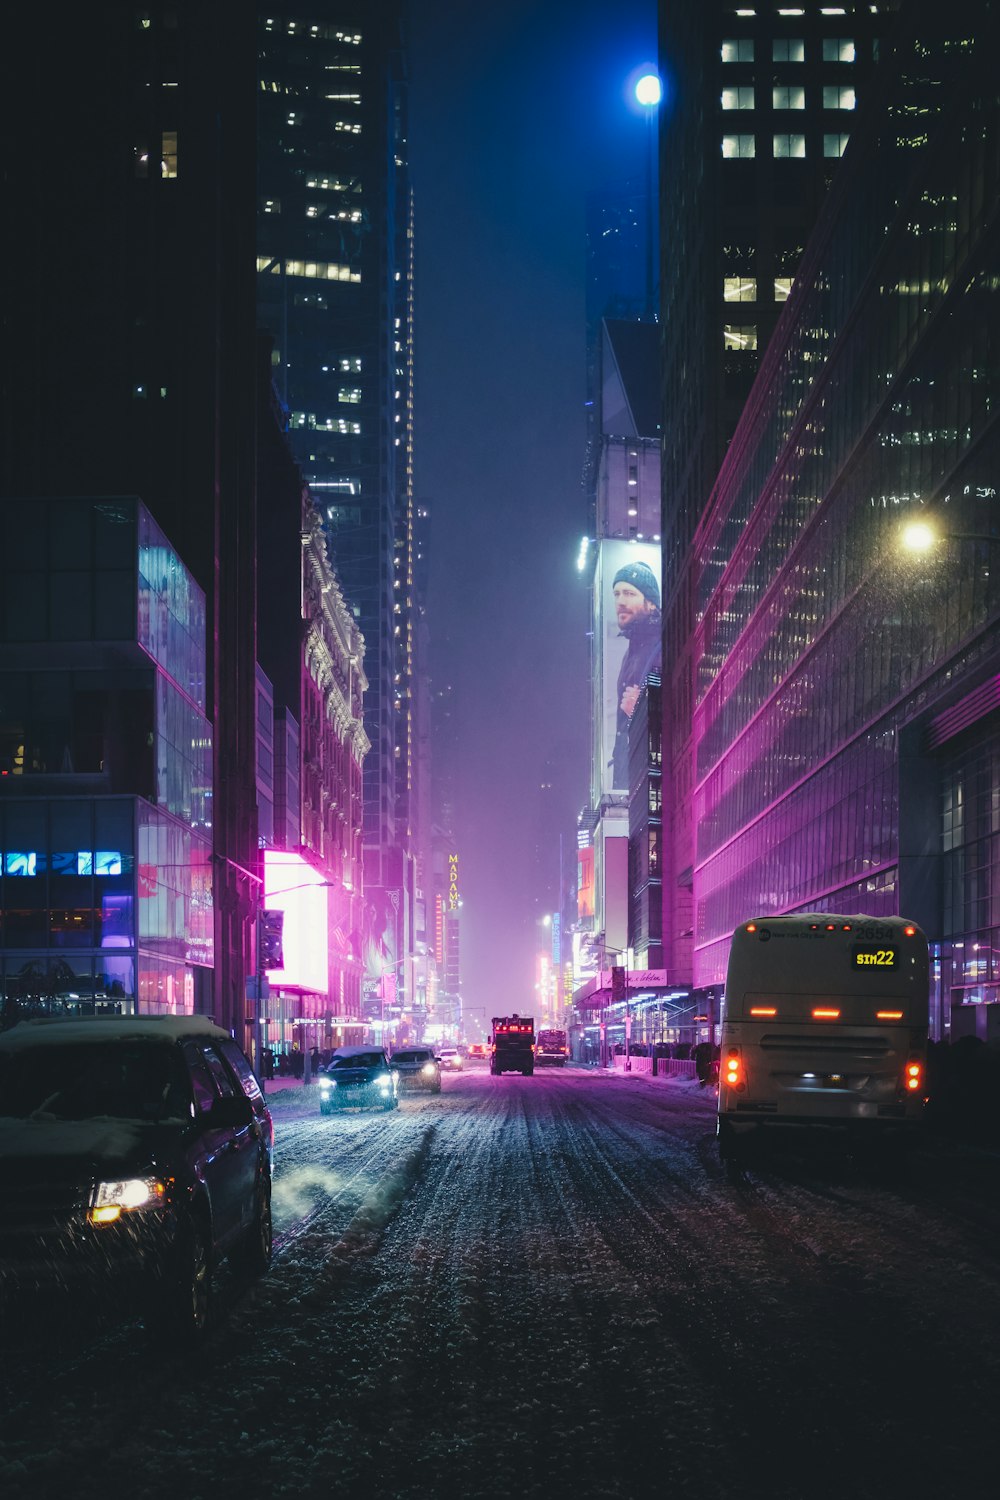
pixel 359 1060
pixel 132 1080
pixel 411 1057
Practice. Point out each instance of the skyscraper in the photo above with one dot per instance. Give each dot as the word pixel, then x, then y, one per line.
pixel 760 100
pixel 335 247
pixel 128 330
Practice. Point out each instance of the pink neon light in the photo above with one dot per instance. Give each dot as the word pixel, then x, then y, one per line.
pixel 294 887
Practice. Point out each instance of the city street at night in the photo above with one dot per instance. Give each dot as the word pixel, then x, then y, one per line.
pixel 547 1286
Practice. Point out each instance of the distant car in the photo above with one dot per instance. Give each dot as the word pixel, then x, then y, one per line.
pixel 418 1068
pixel 450 1058
pixel 134 1155
pixel 357 1077
pixel 478 1052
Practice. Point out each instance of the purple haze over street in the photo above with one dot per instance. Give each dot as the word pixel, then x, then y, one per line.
pixel 517 114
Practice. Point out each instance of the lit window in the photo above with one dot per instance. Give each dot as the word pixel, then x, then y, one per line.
pixel 783 97
pixel 835 97
pixel 782 287
pixel 168 155
pixel 833 145
pixel 789 10
pixel 734 146
pixel 321 269
pixel 739 50
pixel 350 366
pixel 838 49
pixel 788 49
pixel 271 205
pixel 741 98
pixel 739 288
pixel 789 145
pixel 350 394
pixel 741 337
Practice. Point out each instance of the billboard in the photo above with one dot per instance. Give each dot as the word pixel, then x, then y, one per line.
pixel 628 642
pixel 294 887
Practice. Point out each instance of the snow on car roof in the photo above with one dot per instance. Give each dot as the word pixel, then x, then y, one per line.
pixel 357 1051
pixel 45 1031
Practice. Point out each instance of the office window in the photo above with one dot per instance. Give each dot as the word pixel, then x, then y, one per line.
pixel 740 98
pixel 782 287
pixel 833 145
pixel 783 97
pixel 788 49
pixel 789 145
pixel 838 49
pixel 739 336
pixel 835 97
pixel 739 288
pixel 734 146
pixel 740 50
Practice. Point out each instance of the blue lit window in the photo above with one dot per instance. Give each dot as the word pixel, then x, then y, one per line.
pixel 20 864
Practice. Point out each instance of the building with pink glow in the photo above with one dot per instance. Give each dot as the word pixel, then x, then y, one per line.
pixel 844 718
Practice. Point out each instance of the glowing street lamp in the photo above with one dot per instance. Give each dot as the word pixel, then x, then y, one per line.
pixel 648 93
pixel 920 537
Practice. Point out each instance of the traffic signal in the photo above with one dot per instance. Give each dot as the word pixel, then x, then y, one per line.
pixel 617 984
pixel 271 924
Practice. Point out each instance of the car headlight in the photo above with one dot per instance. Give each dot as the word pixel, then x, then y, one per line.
pixel 112 1199
pixel 328 1083
pixel 428 1068
pixel 384 1080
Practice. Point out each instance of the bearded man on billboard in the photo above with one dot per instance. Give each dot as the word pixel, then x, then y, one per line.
pixel 637 608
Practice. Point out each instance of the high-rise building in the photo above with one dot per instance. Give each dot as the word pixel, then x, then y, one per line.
pixel 335 291
pixel 128 328
pixel 759 103
pixel 845 743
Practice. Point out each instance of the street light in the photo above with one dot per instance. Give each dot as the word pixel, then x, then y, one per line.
pixel 383 971
pixel 921 537
pixel 648 93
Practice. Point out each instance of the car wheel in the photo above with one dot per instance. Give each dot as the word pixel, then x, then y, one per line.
pixel 254 1253
pixel 326 1109
pixel 181 1302
pixel 436 1088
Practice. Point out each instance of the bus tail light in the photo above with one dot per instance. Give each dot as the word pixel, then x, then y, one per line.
pixel 888 1015
pixel 732 1070
pixel 763 1010
pixel 826 1013
pixel 913 1076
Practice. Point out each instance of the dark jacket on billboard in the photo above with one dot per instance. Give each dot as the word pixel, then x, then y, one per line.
pixel 642 656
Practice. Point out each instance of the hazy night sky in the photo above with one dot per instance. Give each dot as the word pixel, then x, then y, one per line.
pixel 517 112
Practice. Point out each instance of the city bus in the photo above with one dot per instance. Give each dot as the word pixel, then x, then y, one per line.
pixel 824 1029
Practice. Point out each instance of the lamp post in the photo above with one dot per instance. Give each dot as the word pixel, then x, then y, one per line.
pixel 648 93
pixel 387 969
pixel 615 997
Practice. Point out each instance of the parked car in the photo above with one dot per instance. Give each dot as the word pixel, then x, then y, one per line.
pixel 417 1068
pixel 451 1058
pixel 135 1153
pixel 357 1077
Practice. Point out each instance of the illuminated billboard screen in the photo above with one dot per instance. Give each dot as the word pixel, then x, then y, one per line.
pixel 294 887
pixel 628 640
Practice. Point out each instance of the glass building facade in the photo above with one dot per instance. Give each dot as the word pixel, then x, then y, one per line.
pixel 845 736
pixel 105 767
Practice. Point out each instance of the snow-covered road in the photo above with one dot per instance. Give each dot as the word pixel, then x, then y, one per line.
pixel 546 1287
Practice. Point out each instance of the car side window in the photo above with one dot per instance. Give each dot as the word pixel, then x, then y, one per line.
pixel 204 1090
pixel 220 1075
pixel 241 1067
